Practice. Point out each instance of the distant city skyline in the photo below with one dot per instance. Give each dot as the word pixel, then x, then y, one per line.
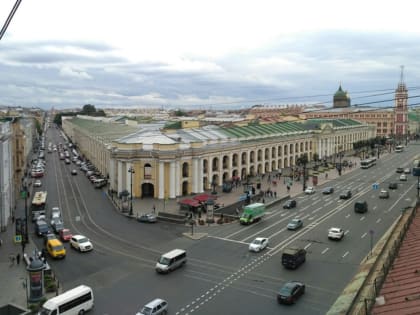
pixel 206 54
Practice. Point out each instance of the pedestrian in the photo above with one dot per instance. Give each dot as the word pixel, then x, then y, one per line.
pixel 154 209
pixel 18 258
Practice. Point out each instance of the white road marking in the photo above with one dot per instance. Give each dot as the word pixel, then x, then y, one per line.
pixel 374 208
pixel 306 247
pixel 363 235
pixel 345 254
pixel 379 220
pixel 227 239
pixel 324 251
pixel 346 232
pixel 362 218
pixel 347 216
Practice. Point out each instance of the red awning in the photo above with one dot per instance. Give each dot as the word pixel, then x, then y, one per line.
pixel 204 197
pixel 190 202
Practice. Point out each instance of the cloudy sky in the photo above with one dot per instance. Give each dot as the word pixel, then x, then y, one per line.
pixel 203 54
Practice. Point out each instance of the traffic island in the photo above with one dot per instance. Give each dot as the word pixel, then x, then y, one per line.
pixel 195 236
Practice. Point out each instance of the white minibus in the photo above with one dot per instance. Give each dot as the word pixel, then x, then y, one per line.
pixel 172 260
pixel 76 301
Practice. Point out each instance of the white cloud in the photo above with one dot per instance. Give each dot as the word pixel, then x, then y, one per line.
pixel 70 72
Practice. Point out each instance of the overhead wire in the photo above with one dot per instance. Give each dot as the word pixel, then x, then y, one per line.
pixel 9 18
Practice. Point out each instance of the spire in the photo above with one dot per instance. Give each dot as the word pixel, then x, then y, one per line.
pixel 402 75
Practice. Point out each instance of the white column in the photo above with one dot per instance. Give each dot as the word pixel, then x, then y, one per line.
pixel 177 178
pixel 161 180
pixel 194 176
pixel 172 180
pixel 112 173
pixel 120 177
pixel 247 162
pixel 220 171
pixel 127 176
pixel 200 176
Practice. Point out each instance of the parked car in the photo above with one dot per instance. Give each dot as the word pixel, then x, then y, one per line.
pixel 383 194
pixel 155 307
pixel 295 224
pixel 407 170
pixel 290 292
pixel 403 177
pixel 38 183
pixel 400 170
pixel 147 217
pixel 258 244
pixel 42 228
pixel 345 194
pixel 289 204
pixel 328 190
pixel 73 172
pixel 335 233
pixel 310 190
pixel 81 243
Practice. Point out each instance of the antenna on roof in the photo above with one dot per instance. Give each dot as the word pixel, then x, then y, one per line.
pixel 402 74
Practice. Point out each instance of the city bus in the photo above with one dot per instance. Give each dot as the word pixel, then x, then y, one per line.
pixel 399 148
pixel 38 204
pixel 75 301
pixel 368 163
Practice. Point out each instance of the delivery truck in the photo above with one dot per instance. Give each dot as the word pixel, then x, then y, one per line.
pixel 252 213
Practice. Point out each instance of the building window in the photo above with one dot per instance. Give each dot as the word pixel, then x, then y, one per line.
pixel 147 171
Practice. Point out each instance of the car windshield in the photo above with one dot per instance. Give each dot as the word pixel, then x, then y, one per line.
pixel 58 247
pixel 146 310
pixel 294 221
pixel 257 242
pixel 164 261
pixel 83 240
pixel 286 290
pixel 44 311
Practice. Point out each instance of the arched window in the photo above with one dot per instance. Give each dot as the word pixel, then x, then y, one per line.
pixel 185 169
pixel 147 171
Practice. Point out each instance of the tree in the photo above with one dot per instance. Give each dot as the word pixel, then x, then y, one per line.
pixel 88 109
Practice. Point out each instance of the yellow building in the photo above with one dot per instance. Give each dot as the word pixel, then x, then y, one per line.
pixel 167 163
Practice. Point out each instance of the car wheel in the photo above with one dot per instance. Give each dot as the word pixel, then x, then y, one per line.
pixel 81 312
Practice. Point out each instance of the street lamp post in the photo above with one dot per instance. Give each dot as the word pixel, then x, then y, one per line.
pixel 131 171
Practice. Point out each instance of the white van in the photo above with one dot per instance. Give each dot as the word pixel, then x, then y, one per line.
pixel 172 260
pixel 73 302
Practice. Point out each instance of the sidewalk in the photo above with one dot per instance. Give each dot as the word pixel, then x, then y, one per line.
pixel 146 205
pixel 14 277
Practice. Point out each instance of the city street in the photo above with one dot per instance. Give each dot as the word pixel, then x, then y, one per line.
pixel 221 275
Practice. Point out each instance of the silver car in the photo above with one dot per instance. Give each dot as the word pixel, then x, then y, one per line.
pixel 155 307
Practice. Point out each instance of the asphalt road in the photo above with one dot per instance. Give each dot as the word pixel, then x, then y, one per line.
pixel 221 275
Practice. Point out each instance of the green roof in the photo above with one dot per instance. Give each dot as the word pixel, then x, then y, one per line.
pixel 109 130
pixel 264 129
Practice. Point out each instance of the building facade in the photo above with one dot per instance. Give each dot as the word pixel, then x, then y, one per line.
pixel 168 163
pixel 6 175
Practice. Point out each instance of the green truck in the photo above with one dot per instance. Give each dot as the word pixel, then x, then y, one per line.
pixel 252 213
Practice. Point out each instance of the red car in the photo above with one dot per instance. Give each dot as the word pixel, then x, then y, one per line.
pixel 65 235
